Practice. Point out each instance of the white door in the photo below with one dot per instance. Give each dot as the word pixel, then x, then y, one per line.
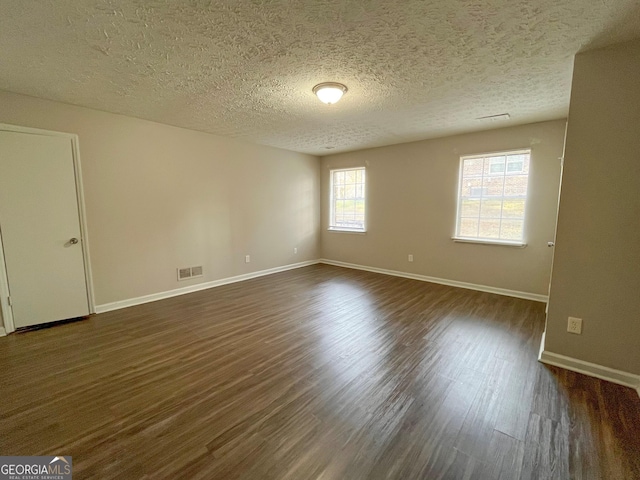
pixel 40 228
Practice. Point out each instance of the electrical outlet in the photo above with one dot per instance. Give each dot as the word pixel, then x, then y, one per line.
pixel 295 250
pixel 247 258
pixel 574 325
pixel 411 257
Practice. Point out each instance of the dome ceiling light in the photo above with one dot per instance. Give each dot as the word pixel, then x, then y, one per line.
pixel 329 92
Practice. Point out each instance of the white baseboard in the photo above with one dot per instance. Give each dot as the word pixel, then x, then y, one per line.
pixel 442 281
pixel 541 350
pixel 107 307
pixel 591 369
pixel 3 332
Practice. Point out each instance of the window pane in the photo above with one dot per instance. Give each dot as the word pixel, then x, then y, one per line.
pixel 348 205
pixel 472 166
pixel 514 167
pixel 493 186
pixel 350 176
pixel 512 229
pixel 494 162
pixel 472 187
pixel 515 185
pixel 496 165
pixel 470 208
pixel 468 227
pixel 513 207
pixel 489 228
pixel 492 196
pixel 349 191
pixel 518 163
pixel 490 208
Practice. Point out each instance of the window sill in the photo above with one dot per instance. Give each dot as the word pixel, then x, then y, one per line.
pixel 504 243
pixel 343 230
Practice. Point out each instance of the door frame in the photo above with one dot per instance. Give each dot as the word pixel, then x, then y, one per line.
pixel 7 313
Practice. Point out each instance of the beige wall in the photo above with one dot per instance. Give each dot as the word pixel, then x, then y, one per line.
pixel 160 197
pixel 411 209
pixel 596 269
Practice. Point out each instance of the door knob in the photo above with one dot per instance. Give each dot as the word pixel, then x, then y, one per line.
pixel 73 241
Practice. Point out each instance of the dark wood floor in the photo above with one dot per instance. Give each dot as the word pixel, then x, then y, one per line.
pixel 318 373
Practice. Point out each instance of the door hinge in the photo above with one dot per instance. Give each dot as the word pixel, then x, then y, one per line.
pixel 9 301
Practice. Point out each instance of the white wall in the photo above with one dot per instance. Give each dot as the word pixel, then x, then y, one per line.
pixel 411 208
pixel 160 197
pixel 596 269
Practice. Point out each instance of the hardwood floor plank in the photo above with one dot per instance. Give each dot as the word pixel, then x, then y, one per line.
pixel 317 373
pixel 503 459
pixel 546 450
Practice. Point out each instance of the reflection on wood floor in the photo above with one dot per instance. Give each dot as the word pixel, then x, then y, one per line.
pixel 316 373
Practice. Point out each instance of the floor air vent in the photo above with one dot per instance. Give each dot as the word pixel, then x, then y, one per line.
pixel 189 272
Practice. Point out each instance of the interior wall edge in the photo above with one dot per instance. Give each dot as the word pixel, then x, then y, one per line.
pixel 108 307
pixel 160 197
pixel 619 377
pixel 412 208
pixel 441 281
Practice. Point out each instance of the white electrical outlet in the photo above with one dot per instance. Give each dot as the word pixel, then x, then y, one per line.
pixel 295 250
pixel 411 257
pixel 247 258
pixel 574 325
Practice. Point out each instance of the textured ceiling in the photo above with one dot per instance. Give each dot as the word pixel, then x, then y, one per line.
pixel 245 69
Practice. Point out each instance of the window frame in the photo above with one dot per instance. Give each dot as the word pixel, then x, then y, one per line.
pixel 493 241
pixel 334 228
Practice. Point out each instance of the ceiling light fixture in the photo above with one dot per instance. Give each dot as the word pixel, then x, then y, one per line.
pixel 329 92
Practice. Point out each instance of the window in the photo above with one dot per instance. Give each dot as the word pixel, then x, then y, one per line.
pixel 347 200
pixel 492 195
